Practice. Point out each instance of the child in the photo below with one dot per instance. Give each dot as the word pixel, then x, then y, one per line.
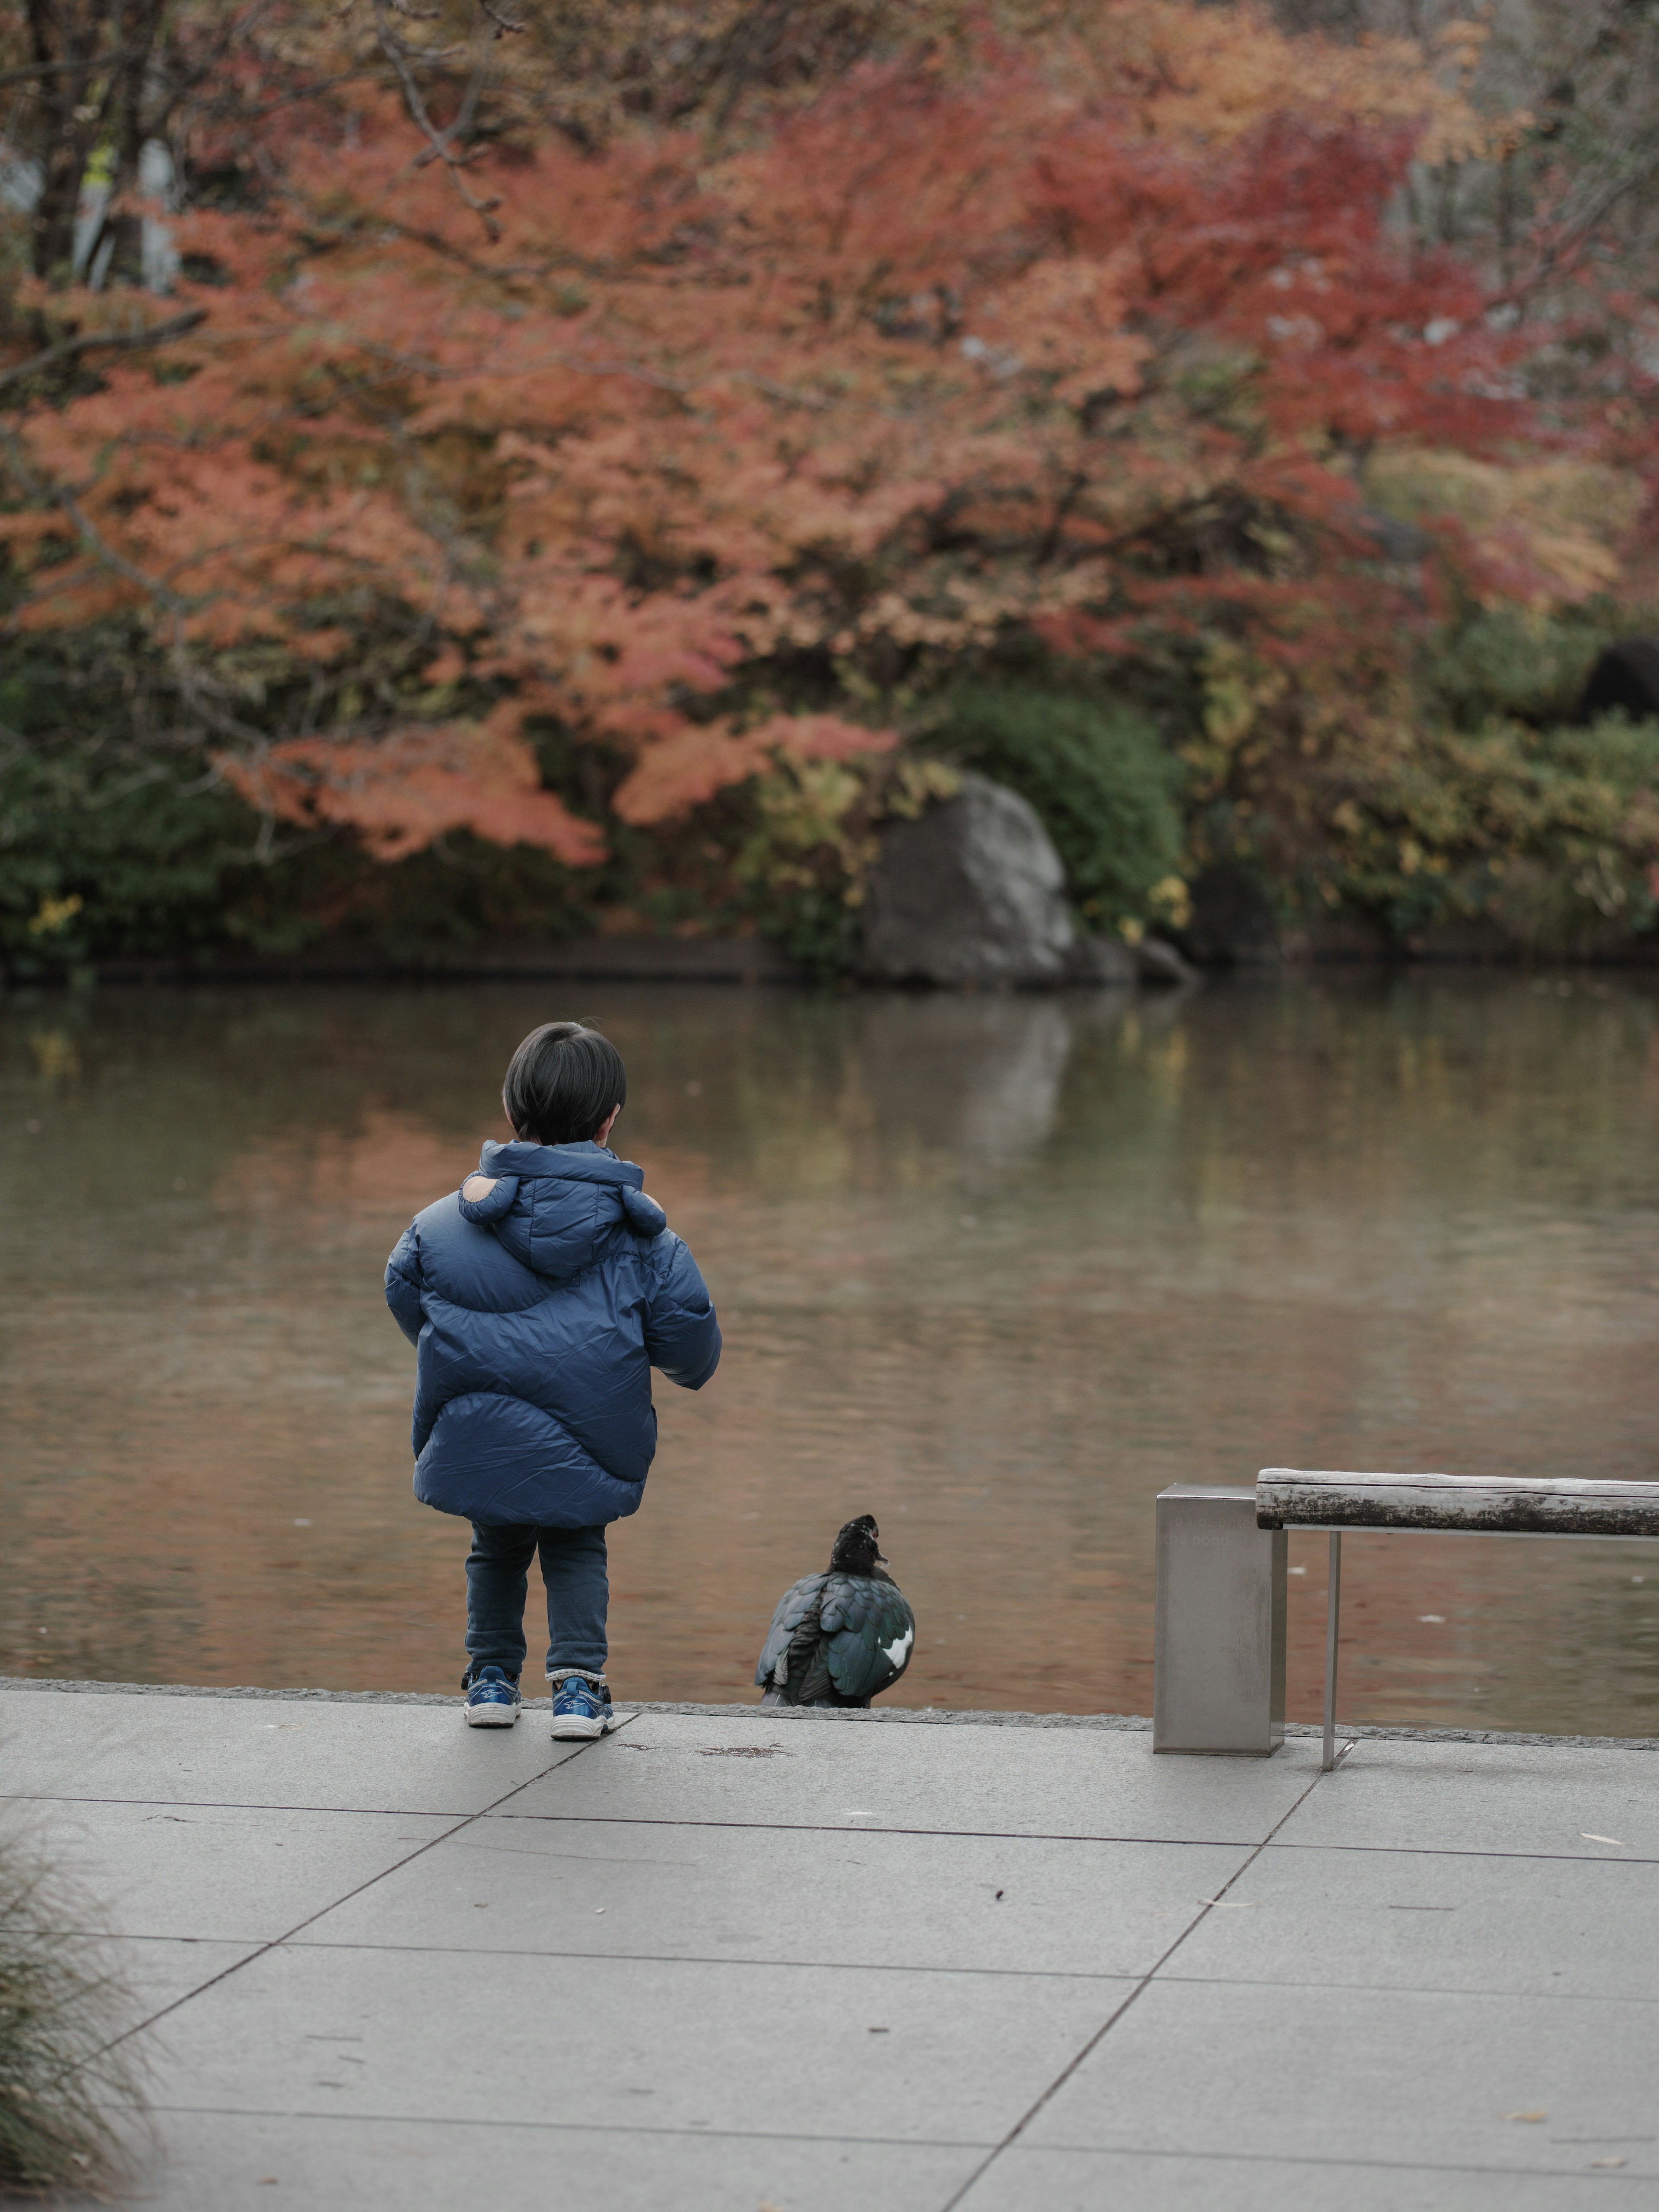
pixel 540 1298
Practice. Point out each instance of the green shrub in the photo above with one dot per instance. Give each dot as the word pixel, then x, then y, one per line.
pixel 1551 834
pixel 96 857
pixel 1106 787
pixel 1532 668
pixel 108 858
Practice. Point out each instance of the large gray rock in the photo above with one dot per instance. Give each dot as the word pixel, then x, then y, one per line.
pixel 1103 964
pixel 972 892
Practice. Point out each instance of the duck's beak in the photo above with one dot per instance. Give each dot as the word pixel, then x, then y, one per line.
pixel 881 1558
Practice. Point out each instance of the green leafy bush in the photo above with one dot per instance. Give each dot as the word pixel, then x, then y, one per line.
pixel 1503 661
pixel 1098 774
pixel 105 858
pixel 1552 835
pixel 97 856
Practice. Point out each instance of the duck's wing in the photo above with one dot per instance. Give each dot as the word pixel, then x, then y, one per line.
pixel 869 1632
pixel 797 1601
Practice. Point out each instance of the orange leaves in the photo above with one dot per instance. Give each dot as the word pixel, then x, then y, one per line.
pixel 1211 76
pixel 823 737
pixel 684 768
pixel 403 790
pixel 1076 343
pixel 694 763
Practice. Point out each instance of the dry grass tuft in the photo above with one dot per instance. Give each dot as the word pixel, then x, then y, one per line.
pixel 72 2110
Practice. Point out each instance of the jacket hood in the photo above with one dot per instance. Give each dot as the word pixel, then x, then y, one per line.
pixel 553 1206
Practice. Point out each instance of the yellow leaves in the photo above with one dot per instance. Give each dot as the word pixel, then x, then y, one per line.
pixel 816 818
pixel 915 784
pixel 1171 902
pixel 1544 533
pixel 1238 687
pixel 1460 43
pixel 821 737
pixel 54 914
pixel 1212 75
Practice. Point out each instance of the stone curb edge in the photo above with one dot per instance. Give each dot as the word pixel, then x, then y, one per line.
pixel 924 1715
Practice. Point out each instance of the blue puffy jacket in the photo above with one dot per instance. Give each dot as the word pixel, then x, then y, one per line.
pixel 539 1310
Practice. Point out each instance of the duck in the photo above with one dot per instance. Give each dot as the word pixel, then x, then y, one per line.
pixel 843 1637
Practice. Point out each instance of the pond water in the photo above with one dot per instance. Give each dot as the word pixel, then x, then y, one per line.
pixel 996 1270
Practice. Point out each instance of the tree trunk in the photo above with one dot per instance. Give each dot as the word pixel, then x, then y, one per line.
pixel 94 55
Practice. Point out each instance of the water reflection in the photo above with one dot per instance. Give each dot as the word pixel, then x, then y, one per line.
pixel 995 1269
pixel 976 1078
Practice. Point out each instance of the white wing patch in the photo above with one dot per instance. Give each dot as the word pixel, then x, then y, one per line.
pixel 898 1650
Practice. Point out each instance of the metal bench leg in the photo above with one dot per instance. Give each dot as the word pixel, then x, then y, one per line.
pixel 1332 1608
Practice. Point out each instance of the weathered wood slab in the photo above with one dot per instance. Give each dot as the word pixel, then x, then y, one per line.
pixel 1536 1505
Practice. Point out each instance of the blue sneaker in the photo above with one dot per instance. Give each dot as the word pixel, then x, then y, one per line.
pixel 492 1698
pixel 581 1709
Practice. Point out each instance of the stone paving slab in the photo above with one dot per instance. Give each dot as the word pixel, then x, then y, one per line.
pixel 161 1971
pixel 236 1873
pixel 756 1963
pixel 674 2044
pixel 252 2162
pixel 1303 2071
pixel 1501 1798
pixel 1439 1920
pixel 1008 1905
pixel 227 1751
pixel 821 1772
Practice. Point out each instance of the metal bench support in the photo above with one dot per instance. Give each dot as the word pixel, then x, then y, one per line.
pixel 1470 1505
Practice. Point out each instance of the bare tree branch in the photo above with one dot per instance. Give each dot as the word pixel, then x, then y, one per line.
pixel 443 144
pixel 133 342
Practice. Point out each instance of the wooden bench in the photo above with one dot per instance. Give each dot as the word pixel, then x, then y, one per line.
pixel 1409 1504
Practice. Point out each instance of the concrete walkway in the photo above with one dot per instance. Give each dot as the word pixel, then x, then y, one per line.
pixel 736 1962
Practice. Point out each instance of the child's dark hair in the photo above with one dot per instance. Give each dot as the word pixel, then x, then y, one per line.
pixel 562 1083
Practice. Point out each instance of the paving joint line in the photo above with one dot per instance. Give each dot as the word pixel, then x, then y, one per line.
pixel 250 1805
pixel 572 2127
pixel 1466 1851
pixel 661 1820
pixel 891 2142
pixel 833 1828
pixel 1397 1989
pixel 276 1943
pixel 783 1965
pixel 1100 2034
pixel 1364 2165
pixel 925 1716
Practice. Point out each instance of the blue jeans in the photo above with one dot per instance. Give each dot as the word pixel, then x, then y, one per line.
pixel 577 1594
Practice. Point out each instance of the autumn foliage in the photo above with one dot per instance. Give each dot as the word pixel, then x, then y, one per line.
pixel 724 461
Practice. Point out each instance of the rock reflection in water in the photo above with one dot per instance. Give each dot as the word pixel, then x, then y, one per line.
pixel 994 1269
pixel 977 1076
